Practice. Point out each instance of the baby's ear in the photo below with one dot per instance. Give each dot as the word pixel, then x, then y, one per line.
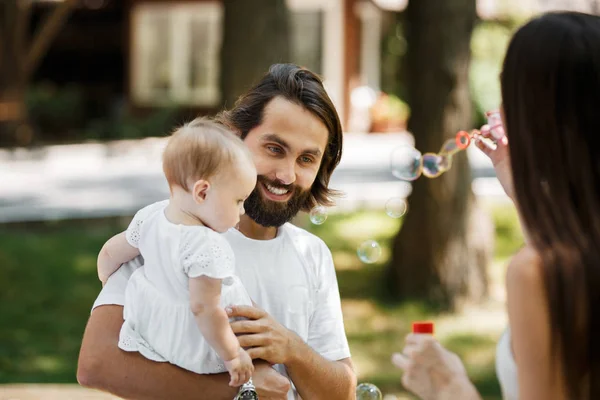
pixel 200 190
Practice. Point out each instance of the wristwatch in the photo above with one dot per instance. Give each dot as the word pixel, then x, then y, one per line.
pixel 247 392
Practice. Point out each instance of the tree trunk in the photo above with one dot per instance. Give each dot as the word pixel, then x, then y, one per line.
pixel 11 77
pixel 256 36
pixel 442 251
pixel 19 57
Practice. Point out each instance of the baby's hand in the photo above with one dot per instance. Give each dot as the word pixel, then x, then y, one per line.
pixel 240 369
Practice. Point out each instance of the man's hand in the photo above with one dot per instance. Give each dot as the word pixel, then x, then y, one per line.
pixel 264 337
pixel 270 384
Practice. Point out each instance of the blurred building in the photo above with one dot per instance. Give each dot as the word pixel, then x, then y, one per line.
pixel 145 54
pixel 151 53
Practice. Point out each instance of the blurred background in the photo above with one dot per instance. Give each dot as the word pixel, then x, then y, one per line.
pixel 90 88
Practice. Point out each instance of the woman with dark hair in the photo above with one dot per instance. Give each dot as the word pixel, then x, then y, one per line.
pixel 551 169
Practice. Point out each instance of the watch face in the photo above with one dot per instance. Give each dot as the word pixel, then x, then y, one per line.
pixel 247 395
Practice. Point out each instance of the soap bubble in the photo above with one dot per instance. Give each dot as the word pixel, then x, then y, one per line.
pixel 445 162
pixel 396 207
pixel 432 165
pixel 406 163
pixel 450 147
pixel 318 215
pixel 368 391
pixel 369 251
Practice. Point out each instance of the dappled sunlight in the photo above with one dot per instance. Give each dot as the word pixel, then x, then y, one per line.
pixel 372 225
pixel 484 319
pixel 84 263
pixel 345 260
pixel 46 364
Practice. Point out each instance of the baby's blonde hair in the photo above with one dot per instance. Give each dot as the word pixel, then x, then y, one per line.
pixel 199 150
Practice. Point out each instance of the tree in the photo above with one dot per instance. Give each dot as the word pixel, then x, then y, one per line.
pixel 20 57
pixel 256 36
pixel 442 250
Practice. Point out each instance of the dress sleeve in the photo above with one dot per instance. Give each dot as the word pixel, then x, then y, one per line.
pixel 206 253
pixel 133 232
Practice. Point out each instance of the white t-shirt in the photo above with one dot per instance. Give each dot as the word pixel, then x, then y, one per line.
pixel 292 277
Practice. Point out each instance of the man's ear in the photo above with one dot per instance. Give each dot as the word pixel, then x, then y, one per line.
pixel 200 190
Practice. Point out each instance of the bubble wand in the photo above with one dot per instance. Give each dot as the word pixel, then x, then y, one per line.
pixel 408 163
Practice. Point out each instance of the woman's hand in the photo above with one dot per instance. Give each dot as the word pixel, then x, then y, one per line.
pixel 497 153
pixel 432 372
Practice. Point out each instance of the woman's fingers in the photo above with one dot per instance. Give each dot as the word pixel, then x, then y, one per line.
pixel 401 361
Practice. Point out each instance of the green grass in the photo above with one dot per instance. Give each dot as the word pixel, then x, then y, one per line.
pixel 48 284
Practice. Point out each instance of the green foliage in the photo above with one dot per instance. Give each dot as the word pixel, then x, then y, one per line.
pixel 157 124
pixel 55 110
pixel 488 46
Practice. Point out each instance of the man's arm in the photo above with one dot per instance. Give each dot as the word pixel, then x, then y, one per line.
pixel 102 365
pixel 315 377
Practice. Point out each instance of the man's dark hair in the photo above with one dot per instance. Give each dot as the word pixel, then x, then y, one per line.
pixel 302 87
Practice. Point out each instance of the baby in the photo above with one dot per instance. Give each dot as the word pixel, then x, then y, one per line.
pixel 175 304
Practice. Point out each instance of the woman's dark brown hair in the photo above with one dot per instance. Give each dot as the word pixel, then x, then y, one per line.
pixel 301 87
pixel 551 101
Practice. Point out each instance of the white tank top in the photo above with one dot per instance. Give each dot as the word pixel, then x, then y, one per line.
pixel 506 368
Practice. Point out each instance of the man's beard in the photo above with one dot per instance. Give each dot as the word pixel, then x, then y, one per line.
pixel 269 213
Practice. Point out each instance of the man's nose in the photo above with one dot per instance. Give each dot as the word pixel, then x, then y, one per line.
pixel 286 172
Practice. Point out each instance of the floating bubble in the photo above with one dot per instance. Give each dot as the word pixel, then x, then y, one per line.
pixel 396 207
pixel 318 215
pixel 406 163
pixel 445 162
pixel 369 252
pixel 450 147
pixel 368 391
pixel 432 165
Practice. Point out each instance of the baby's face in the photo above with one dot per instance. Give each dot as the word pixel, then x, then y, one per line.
pixel 224 203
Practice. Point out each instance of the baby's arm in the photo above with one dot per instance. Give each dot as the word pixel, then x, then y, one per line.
pixel 213 322
pixel 115 252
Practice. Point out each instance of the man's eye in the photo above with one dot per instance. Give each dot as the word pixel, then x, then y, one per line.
pixel 307 160
pixel 274 149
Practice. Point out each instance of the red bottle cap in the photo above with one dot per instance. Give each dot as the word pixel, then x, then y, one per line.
pixel 423 327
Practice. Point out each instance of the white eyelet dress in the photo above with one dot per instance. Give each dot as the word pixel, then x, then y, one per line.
pixel 159 323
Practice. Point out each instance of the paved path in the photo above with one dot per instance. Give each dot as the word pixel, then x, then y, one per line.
pixel 50 392
pixel 98 180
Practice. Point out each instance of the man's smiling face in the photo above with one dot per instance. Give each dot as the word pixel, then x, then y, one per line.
pixel 287 149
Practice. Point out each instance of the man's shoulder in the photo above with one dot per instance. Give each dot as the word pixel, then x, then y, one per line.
pixel 310 248
pixel 296 233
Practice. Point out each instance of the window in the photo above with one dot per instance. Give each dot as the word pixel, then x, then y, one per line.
pixel 174 53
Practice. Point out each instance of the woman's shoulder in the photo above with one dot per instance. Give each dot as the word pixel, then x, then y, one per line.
pixel 524 269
